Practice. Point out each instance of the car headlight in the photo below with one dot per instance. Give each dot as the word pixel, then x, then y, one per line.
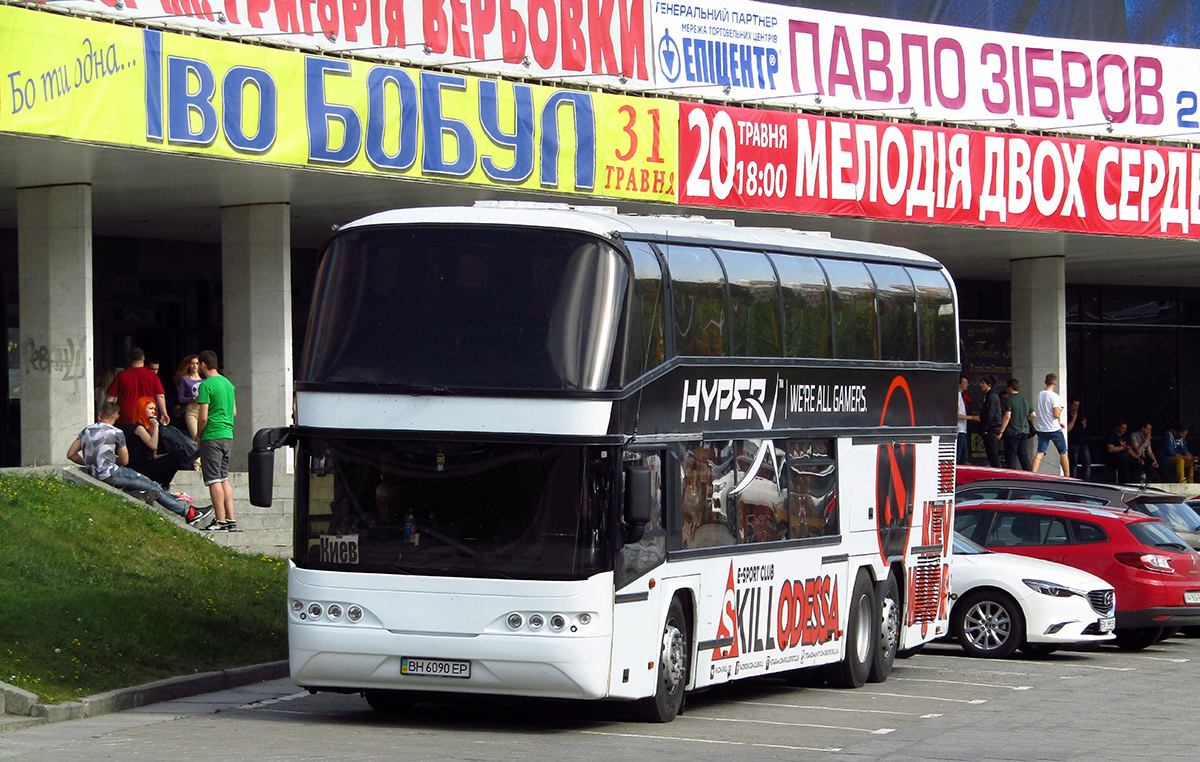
pixel 1049 588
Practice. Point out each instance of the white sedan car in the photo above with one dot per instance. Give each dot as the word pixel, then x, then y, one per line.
pixel 1001 602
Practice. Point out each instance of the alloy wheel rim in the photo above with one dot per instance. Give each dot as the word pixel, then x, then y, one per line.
pixel 987 625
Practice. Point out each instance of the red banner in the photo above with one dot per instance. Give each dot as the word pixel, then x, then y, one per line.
pixel 805 164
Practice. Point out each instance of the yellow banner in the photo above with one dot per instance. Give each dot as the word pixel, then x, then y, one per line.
pixel 132 86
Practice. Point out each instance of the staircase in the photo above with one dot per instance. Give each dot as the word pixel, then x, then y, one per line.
pixel 266 531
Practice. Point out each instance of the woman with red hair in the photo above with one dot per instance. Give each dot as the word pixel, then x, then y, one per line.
pixel 143 437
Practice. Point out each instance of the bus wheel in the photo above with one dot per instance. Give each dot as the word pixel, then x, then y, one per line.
pixel 390 702
pixel 673 662
pixel 889 630
pixel 862 638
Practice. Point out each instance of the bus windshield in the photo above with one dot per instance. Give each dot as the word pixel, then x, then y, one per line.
pixel 523 511
pixel 466 307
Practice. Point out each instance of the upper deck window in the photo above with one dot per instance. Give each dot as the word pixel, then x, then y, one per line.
pixel 897 312
pixel 935 311
pixel 806 305
pixel 854 324
pixel 645 340
pixel 466 307
pixel 698 293
pixel 753 304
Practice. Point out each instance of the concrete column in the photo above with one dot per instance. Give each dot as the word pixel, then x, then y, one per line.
pixel 1039 329
pixel 54 252
pixel 256 273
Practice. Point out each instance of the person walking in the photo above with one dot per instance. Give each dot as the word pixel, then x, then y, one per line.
pixel 217 410
pixel 1014 429
pixel 1049 425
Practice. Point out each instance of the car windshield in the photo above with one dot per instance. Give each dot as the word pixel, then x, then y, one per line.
pixel 1178 516
pixel 1157 535
pixel 965 547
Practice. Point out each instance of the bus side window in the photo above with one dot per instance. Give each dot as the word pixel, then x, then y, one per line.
pixel 753 304
pixel 637 558
pixel 709 510
pixel 935 310
pixel 897 305
pixel 762 496
pixel 855 327
pixel 806 322
pixel 645 338
pixel 812 488
pixel 698 301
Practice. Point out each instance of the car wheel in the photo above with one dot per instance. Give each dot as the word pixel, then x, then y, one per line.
pixel 889 630
pixel 1135 639
pixel 673 661
pixel 862 638
pixel 390 702
pixel 1168 632
pixel 988 623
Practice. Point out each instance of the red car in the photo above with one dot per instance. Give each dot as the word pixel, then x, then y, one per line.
pixel 964 475
pixel 1155 573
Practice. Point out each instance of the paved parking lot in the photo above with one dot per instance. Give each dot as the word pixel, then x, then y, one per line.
pixel 1103 704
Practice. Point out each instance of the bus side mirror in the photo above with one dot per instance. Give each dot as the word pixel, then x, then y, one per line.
pixel 639 501
pixel 262 477
pixel 261 462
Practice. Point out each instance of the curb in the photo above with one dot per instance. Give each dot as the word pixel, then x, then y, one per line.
pixel 20 702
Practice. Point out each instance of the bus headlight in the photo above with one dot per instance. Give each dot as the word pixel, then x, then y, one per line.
pixel 536 621
pixel 297 605
pixel 515 621
pixel 354 613
pixel 334 611
pixel 557 622
pixel 585 618
pixel 315 610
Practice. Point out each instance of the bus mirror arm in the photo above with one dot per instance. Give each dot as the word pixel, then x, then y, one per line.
pixel 639 499
pixel 262 463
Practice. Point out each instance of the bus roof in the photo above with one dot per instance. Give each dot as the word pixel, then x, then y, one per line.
pixel 607 223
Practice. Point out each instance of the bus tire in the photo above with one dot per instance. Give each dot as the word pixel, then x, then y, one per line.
pixel 862 637
pixel 889 629
pixel 674 662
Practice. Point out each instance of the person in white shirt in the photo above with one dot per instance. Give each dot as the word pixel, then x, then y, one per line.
pixel 1049 424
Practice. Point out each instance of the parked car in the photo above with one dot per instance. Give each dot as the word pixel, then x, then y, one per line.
pixel 1155 574
pixel 1022 485
pixel 965 474
pixel 1002 602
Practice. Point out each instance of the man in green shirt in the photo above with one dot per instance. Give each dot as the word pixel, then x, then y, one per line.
pixel 1015 428
pixel 215 429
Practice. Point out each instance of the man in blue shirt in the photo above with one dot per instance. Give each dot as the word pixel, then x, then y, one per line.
pixel 1181 461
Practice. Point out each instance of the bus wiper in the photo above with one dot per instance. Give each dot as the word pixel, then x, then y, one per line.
pixel 494 572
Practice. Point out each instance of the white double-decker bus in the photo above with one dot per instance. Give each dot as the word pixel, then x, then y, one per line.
pixel 561 452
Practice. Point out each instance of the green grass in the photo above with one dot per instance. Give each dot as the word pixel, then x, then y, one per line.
pixel 97 593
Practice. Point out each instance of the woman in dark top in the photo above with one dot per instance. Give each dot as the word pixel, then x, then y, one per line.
pixel 142 439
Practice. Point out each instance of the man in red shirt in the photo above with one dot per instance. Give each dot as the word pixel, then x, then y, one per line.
pixel 137 381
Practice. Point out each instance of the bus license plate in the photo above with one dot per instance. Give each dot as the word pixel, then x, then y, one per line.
pixel 1191 596
pixel 1108 623
pixel 434 667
